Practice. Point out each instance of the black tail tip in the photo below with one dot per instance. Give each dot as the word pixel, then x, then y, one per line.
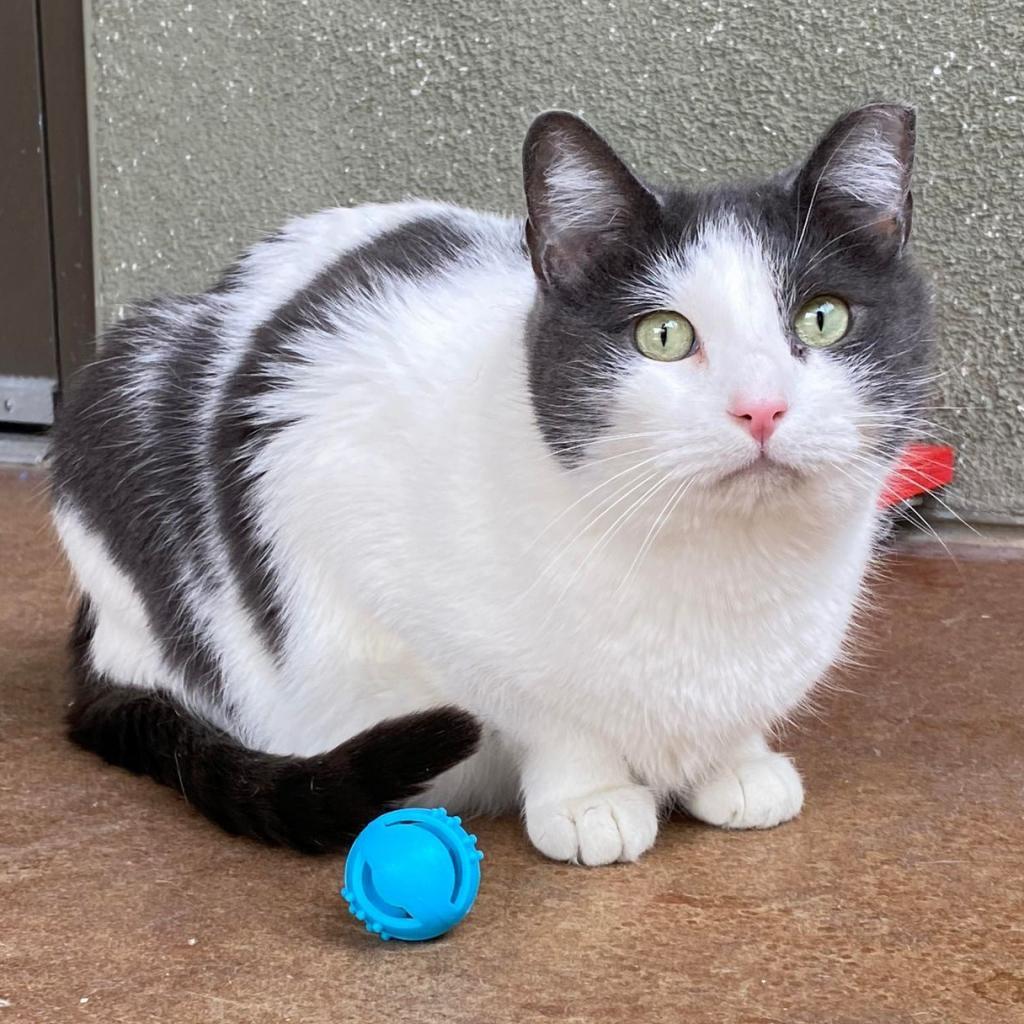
pixel 408 752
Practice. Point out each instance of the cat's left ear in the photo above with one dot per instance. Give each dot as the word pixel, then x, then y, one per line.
pixel 581 198
pixel 859 174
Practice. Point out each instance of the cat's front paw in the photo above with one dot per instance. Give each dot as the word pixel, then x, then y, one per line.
pixel 756 793
pixel 599 828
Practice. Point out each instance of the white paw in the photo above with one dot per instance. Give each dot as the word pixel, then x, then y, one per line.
pixel 599 828
pixel 758 793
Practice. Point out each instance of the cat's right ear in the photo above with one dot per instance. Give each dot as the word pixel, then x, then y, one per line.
pixel 580 196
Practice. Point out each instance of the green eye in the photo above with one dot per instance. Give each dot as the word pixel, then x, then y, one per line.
pixel 822 321
pixel 664 335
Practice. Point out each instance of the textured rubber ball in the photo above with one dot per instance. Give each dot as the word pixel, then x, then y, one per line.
pixel 412 874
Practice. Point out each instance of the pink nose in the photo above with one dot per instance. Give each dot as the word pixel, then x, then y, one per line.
pixel 760 416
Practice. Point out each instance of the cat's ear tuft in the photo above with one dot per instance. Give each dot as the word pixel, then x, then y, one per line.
pixel 859 173
pixel 580 196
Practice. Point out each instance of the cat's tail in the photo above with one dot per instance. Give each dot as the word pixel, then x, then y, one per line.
pixel 314 804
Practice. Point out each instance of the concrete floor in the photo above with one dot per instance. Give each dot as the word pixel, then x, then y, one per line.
pixel 897 898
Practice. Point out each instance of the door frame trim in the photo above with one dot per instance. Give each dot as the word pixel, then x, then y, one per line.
pixel 66 131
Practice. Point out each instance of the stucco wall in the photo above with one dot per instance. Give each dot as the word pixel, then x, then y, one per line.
pixel 213 120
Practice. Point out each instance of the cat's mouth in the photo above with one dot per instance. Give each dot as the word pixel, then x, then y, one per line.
pixel 764 471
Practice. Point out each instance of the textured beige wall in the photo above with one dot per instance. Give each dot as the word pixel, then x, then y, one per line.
pixel 216 119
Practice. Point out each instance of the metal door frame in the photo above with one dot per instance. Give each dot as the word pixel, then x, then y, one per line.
pixel 68 208
pixel 66 99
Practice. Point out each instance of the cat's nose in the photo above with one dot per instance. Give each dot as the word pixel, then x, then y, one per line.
pixel 758 416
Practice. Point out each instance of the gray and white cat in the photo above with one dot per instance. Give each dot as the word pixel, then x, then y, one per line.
pixel 423 503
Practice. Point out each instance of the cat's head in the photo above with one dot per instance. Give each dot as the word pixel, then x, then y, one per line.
pixel 753 340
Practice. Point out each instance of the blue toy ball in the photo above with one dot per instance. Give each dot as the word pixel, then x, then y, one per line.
pixel 412 874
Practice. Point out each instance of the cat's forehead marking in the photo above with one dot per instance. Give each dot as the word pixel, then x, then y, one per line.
pixel 726 280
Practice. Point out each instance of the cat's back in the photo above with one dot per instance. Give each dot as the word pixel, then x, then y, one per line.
pixel 166 376
pixel 152 458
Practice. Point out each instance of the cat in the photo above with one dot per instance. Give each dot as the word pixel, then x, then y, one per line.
pixel 566 514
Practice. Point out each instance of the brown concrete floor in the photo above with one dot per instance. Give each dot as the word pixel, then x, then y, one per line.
pixel 897 897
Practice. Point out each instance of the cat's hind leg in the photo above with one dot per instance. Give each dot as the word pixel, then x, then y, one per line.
pixel 119 642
